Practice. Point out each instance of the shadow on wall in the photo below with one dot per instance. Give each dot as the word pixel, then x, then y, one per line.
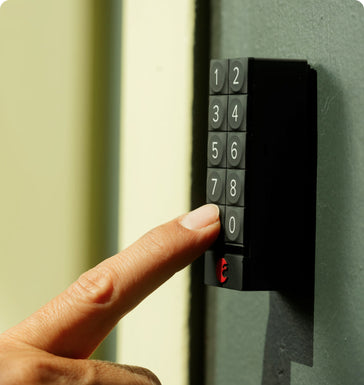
pixel 289 336
pixel 104 144
pixel 290 326
pixel 290 329
pixel 338 327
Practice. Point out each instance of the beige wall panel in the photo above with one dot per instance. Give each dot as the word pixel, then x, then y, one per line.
pixel 44 146
pixel 155 169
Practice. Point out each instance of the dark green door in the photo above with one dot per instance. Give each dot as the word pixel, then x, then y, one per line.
pixel 270 338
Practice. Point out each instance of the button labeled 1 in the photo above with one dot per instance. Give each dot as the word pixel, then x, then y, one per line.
pixel 218 76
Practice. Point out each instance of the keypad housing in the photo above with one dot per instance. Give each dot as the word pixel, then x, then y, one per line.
pixel 261 172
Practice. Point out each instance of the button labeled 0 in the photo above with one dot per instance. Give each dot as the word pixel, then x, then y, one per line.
pixel 234 224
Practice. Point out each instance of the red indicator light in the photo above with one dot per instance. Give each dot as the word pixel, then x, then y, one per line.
pixel 221 267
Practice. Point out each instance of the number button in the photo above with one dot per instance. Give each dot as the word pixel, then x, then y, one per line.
pixel 217 113
pixel 238 75
pixel 234 224
pixel 237 113
pixel 236 150
pixel 216 151
pixel 218 76
pixel 235 183
pixel 215 185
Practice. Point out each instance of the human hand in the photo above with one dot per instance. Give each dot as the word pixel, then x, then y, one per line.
pixel 53 344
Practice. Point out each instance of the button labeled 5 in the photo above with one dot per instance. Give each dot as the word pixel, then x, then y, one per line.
pixel 216 151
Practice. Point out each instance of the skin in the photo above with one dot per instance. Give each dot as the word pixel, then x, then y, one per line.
pixel 53 345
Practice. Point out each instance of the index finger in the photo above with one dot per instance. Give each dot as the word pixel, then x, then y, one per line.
pixel 75 322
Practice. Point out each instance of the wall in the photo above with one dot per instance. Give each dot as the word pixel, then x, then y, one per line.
pixel 45 140
pixel 329 34
pixel 157 58
pixel 74 189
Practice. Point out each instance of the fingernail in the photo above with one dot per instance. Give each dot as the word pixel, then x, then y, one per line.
pixel 201 217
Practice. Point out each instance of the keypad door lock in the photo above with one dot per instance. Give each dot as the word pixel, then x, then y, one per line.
pixel 261 172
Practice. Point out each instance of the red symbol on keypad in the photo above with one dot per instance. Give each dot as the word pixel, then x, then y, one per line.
pixel 221 267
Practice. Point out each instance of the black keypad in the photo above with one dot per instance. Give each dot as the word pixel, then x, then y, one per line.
pixel 225 183
pixel 262 173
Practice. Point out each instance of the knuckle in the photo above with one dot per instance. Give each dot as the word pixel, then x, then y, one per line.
pixel 131 374
pixel 144 373
pixel 89 373
pixel 28 371
pixel 95 286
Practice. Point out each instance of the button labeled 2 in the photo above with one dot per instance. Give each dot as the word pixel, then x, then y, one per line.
pixel 238 75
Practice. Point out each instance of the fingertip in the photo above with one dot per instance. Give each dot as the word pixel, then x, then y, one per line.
pixel 201 217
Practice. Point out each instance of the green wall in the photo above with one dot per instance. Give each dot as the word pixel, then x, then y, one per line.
pixel 330 35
